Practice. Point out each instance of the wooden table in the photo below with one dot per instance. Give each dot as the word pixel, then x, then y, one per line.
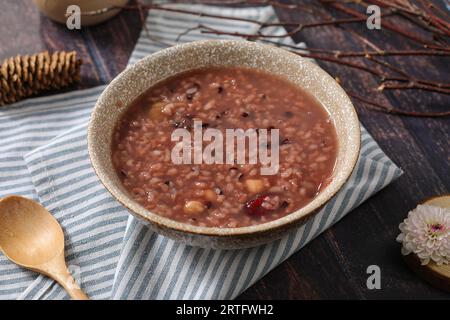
pixel 333 266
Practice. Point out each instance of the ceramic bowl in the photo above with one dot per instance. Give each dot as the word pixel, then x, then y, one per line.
pixel 133 81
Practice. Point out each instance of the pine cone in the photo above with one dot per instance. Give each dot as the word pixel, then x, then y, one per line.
pixel 25 76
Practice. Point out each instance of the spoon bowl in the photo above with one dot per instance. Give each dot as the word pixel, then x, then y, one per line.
pixel 32 238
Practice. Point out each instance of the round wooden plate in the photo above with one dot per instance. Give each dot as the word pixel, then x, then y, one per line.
pixel 437 276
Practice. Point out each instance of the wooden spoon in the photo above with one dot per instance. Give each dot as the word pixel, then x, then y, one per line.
pixel 32 238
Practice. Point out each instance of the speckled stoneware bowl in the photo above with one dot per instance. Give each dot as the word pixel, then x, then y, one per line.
pixel 135 80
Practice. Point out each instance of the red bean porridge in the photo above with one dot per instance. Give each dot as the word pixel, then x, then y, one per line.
pixel 224 195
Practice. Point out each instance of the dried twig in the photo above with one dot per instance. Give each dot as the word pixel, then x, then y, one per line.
pixel 386 25
pixel 388 109
pixel 412 83
pixel 390 77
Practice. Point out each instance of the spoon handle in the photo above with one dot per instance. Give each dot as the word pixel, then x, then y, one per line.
pixel 72 288
pixel 57 269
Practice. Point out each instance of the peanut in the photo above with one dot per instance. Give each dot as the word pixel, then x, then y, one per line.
pixel 194 207
pixel 254 185
pixel 210 195
pixel 156 111
pixel 168 109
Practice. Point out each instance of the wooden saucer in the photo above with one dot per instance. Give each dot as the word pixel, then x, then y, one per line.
pixel 437 276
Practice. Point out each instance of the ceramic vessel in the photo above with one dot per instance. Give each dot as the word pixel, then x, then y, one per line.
pixel 115 99
pixel 56 9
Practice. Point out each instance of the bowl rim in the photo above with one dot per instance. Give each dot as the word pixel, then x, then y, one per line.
pixel 296 216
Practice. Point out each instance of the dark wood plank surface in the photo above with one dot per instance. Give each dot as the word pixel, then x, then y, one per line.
pixel 333 266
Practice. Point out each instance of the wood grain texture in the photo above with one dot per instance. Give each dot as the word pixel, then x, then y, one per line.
pixel 333 266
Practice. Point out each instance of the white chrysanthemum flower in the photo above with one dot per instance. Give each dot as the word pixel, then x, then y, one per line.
pixel 426 233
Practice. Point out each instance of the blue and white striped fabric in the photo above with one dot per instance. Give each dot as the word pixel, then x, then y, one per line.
pixel 23 127
pixel 111 254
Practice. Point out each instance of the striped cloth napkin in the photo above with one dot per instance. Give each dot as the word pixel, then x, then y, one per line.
pixel 108 251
